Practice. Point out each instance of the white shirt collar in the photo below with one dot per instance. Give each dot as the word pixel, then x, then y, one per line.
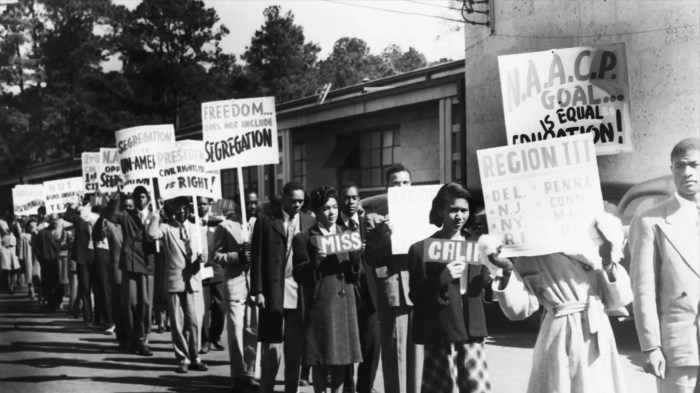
pixel 346 219
pixel 686 204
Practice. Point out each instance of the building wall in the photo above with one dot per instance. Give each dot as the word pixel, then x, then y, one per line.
pixel 419 150
pixel 663 50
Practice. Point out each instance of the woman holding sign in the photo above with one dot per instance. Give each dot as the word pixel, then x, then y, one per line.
pixel 448 313
pixel 327 272
pixel 575 349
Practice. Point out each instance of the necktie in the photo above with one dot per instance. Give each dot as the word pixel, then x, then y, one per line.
pixel 291 229
pixel 352 225
pixel 185 236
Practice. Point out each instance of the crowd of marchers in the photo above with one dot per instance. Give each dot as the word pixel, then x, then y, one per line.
pixel 136 264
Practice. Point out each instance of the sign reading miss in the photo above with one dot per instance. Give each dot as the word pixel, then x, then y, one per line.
pixel 563 92
pixel 542 197
pixel 341 242
pixel 239 133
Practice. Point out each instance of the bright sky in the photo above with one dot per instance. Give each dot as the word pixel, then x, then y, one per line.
pixel 325 21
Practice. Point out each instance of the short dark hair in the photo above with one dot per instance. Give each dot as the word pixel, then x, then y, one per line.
pixel 290 187
pixel 445 194
pixel 396 168
pixel 320 195
pixel 345 185
pixel 684 146
pixel 141 190
pixel 171 206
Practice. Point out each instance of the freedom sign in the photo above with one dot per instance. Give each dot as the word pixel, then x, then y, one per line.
pixel 60 193
pixel 239 133
pixel 138 148
pixel 563 92
pixel 91 169
pixel 542 197
pixel 409 209
pixel 183 172
pixel 26 198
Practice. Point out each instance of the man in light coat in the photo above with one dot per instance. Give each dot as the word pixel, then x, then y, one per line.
pixel 665 273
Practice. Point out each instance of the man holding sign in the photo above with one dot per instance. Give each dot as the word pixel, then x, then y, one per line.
pixel 402 361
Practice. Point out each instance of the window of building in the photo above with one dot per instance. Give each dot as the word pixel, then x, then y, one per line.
pixel 299 162
pixel 229 181
pixel 371 157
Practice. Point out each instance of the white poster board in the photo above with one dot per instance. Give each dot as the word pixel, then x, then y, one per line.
pixel 61 192
pixel 27 198
pixel 138 147
pixel 542 197
pixel 409 211
pixel 110 172
pixel 91 168
pixel 183 172
pixel 563 92
pixel 240 133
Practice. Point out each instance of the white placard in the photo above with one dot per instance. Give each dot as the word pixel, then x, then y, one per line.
pixel 91 169
pixel 110 173
pixel 240 133
pixel 27 198
pixel 61 192
pixel 409 211
pixel 542 197
pixel 184 172
pixel 138 148
pixel 562 92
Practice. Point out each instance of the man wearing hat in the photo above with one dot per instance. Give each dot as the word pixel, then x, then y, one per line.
pixel 137 263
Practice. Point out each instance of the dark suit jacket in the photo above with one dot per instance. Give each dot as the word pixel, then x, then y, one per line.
pixel 138 252
pixel 81 241
pixel 267 271
pixel 367 282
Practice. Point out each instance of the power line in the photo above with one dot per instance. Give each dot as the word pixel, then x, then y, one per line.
pixel 596 35
pixel 434 5
pixel 395 11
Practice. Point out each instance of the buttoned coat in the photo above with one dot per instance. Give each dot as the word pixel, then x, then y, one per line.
pixel 366 287
pixel 391 271
pixel 267 271
pixel 665 273
pixel 138 252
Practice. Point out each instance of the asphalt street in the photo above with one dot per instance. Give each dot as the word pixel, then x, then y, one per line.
pixel 42 351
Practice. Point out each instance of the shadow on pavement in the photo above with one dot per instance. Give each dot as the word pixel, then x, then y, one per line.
pixel 63 362
pixel 163 361
pixel 173 383
pixel 64 347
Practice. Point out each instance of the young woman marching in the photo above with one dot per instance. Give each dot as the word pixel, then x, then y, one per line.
pixel 447 320
pixel 331 334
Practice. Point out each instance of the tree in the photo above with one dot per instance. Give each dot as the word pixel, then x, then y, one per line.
pixel 279 61
pixel 166 48
pixel 401 62
pixel 18 61
pixel 350 63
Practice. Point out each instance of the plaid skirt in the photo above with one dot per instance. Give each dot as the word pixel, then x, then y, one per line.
pixel 455 368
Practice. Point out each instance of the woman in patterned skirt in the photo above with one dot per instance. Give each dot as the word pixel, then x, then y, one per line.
pixel 448 316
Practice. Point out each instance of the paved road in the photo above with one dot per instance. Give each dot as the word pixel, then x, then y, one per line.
pixel 44 351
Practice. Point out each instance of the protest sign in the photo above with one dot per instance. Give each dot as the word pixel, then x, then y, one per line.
pixel 409 208
pixel 91 168
pixel 129 186
pixel 562 92
pixel 183 172
pixel 446 251
pixel 27 198
pixel 239 133
pixel 60 193
pixel 109 174
pixel 138 147
pixel 542 197
pixel 341 242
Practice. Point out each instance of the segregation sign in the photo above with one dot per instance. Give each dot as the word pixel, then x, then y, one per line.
pixel 183 172
pixel 109 175
pixel 27 198
pixel 239 133
pixel 341 242
pixel 409 209
pixel 59 193
pixel 542 197
pixel 138 146
pixel 563 92
pixel 446 251
pixel 91 168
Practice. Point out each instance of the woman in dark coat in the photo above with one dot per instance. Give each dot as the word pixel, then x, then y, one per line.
pixel 448 312
pixel 331 332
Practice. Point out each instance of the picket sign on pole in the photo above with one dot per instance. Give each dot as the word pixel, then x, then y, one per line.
pixel 244 213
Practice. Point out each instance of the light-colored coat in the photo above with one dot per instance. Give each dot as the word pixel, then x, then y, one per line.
pixel 665 274
pixel 575 350
pixel 180 270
